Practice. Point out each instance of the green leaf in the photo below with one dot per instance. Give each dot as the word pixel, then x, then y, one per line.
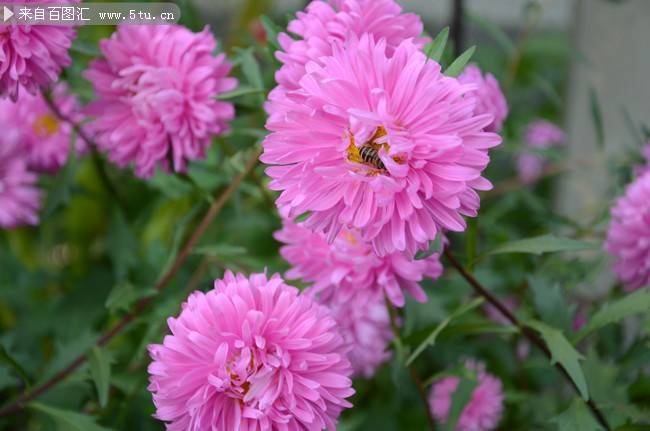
pixel 67 420
pixel 459 64
pixel 85 47
pixel 435 246
pixel 272 31
pixel 597 117
pixel 634 303
pixel 7 359
pixel 100 371
pixel 564 353
pixel 251 68
pixel 122 245
pixel 431 339
pixel 542 244
pixel 239 92
pixel 435 49
pixel 550 302
pixel 60 191
pixel 181 228
pixel 459 399
pixel 576 417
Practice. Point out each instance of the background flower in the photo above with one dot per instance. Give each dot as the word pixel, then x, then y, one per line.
pixel 482 412
pixel 628 237
pixel 32 56
pixel 540 134
pixel 30 123
pixel 19 195
pixel 251 354
pixel 428 149
pixel 156 92
pixel 348 266
pixel 489 97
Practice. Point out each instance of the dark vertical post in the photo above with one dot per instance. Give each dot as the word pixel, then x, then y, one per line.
pixel 458 27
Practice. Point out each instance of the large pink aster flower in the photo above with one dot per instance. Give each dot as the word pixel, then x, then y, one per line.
pixel 489 97
pixel 481 413
pixel 32 56
pixel 19 197
pixel 30 123
pixel 157 89
pixel 348 265
pixel 540 134
pixel 324 22
pixel 628 237
pixel 386 145
pixel 252 354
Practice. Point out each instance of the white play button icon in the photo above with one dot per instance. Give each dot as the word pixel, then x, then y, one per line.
pixel 7 13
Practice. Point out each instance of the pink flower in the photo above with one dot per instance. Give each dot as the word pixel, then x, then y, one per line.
pixel 325 22
pixel 365 326
pixel 252 354
pixel 156 92
pixel 539 134
pixel 482 412
pixel 30 123
pixel 20 198
pixel 544 134
pixel 489 97
pixel 628 237
pixel 32 56
pixel 348 266
pixel 383 144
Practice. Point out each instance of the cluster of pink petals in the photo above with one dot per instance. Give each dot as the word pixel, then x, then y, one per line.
pixel 540 134
pixel 31 124
pixel 157 89
pixel 252 354
pixel 348 265
pixel 628 237
pixel 32 56
pixel 20 198
pixel 488 95
pixel 324 22
pixel 432 146
pixel 482 412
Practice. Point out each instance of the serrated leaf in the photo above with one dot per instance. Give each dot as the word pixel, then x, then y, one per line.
pixel 634 303
pixel 124 294
pixel 564 353
pixel 576 417
pixel 122 245
pixel 597 117
pixel 550 303
pixel 68 420
pixel 542 244
pixel 100 371
pixel 431 338
pixel 436 48
pixel 459 399
pixel 459 64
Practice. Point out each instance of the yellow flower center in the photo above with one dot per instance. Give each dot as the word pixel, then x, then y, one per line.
pixel 45 125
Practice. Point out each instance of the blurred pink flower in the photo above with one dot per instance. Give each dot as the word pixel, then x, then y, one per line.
pixel 32 56
pixel 539 134
pixel 20 198
pixel 348 265
pixel 324 22
pixel 628 237
pixel 30 123
pixel 251 354
pixel 365 326
pixel 157 89
pixel 482 412
pixel 489 97
pixel 386 145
